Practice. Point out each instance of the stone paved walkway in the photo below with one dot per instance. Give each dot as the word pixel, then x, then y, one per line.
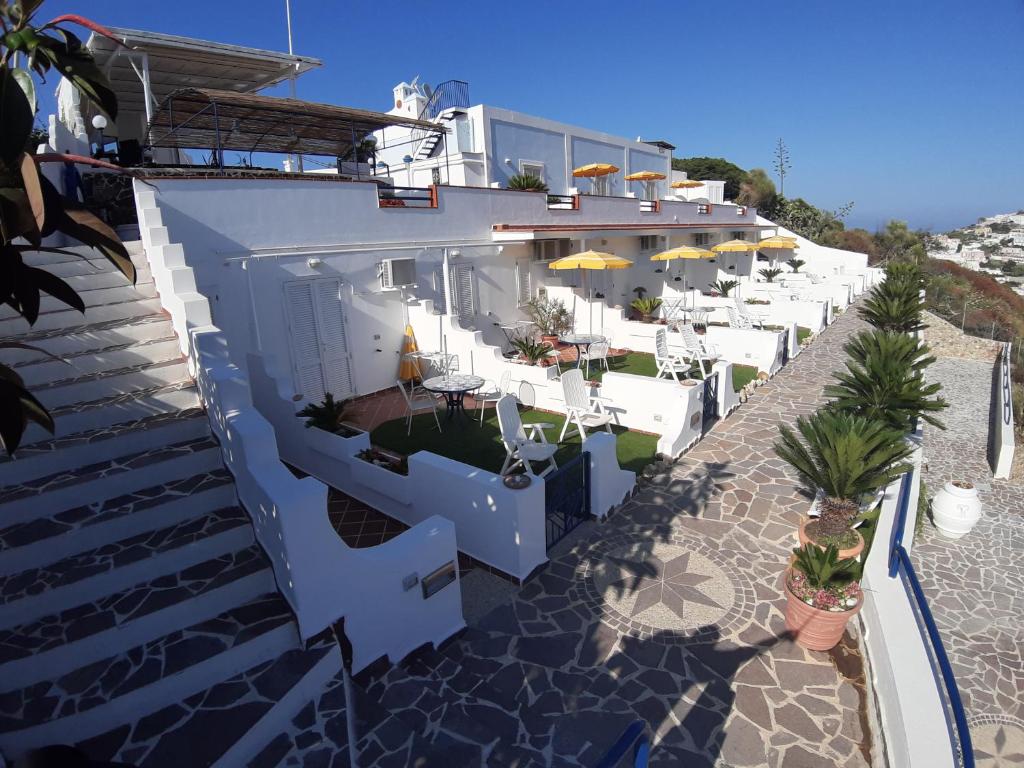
pixel 671 611
pixel 975 585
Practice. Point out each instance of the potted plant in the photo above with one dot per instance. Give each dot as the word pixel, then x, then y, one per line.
pixel 397 464
pixel 756 301
pixel 795 264
pixel 551 318
pixel 647 307
pixel 532 352
pixel 328 416
pixel 822 595
pixel 722 287
pixel 956 509
pixel 769 274
pixel 843 460
pixel 527 182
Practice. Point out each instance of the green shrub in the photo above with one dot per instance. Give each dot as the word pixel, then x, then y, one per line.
pixel 770 274
pixel 550 316
pixel 533 352
pixel 327 415
pixel 795 264
pixel 647 306
pixel 894 305
pixel 723 287
pixel 527 182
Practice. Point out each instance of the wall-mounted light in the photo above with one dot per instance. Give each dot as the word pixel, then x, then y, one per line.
pixel 454 252
pixel 508 161
pixel 313 262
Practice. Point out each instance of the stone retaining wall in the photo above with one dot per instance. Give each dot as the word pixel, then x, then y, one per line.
pixel 948 341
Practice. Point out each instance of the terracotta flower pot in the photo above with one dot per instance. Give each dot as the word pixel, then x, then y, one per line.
pixel 551 339
pixel 814 628
pixel 853 551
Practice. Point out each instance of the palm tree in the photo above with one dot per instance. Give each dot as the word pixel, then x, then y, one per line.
pixel 769 274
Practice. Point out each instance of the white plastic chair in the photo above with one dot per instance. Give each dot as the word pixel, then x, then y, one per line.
pixel 754 318
pixel 417 402
pixel 522 447
pixel 669 365
pixel 582 410
pixel 493 394
pixel 737 320
pixel 598 352
pixel 695 347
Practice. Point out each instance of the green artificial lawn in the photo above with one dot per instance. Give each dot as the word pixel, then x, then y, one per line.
pixel 802 333
pixel 480 446
pixel 642 364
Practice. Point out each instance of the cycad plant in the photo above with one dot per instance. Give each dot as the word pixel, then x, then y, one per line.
pixel 894 305
pixel 530 351
pixel 884 380
pixel 770 274
pixel 527 182
pixel 647 306
pixel 326 415
pixel 842 454
pixel 723 287
pixel 795 264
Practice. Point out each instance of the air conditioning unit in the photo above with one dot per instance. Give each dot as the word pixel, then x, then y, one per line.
pixel 397 273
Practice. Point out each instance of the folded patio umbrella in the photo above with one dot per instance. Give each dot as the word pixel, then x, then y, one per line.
pixel 407 369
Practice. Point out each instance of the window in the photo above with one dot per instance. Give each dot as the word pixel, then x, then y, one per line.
pixel 531 168
pixel 702 238
pixel 549 250
pixel 320 359
pixel 650 242
pixel 703 208
pixel 524 290
pixel 741 210
pixel 739 235
pixel 462 293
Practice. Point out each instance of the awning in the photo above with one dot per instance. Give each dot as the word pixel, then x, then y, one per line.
pixel 197 118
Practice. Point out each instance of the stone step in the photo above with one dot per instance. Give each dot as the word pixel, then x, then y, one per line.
pixel 46 540
pixel 126 357
pixel 115 410
pixel 49 457
pixel 72 321
pixel 149 677
pixel 87 576
pixel 92 483
pixel 100 297
pixel 210 727
pixel 76 253
pixel 59 643
pixel 93 280
pixel 103 385
pixel 71 345
pixel 90 266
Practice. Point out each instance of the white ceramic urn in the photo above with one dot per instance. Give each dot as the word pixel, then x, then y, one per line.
pixel 956 508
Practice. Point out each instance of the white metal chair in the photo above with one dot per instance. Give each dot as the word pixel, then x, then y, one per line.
pixel 695 347
pixel 582 410
pixel 598 352
pixel 554 354
pixel 522 446
pixel 417 402
pixel 755 318
pixel 669 365
pixel 448 364
pixel 492 394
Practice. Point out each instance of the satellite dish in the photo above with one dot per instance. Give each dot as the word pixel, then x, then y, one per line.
pixel 427 90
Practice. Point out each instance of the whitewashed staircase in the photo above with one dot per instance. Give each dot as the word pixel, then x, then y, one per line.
pixel 138 616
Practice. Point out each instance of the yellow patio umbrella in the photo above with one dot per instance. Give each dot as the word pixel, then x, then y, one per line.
pixel 593 170
pixel 734 246
pixel 408 370
pixel 683 252
pixel 778 241
pixel 596 260
pixel 645 176
pixel 686 184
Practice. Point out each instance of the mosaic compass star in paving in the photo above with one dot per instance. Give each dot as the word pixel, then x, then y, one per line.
pixel 668 587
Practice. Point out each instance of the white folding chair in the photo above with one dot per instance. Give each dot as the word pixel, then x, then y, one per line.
pixel 669 365
pixel 582 410
pixel 598 352
pixel 492 394
pixel 754 318
pixel 522 447
pixel 695 347
pixel 417 402
pixel 737 320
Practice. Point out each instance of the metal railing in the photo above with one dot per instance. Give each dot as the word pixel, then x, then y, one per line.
pixel 447 95
pixel 900 564
pixel 633 745
pixel 650 206
pixel 407 197
pixel 562 202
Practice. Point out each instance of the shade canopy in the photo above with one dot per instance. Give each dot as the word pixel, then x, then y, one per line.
pixel 778 241
pixel 734 246
pixel 593 170
pixel 199 118
pixel 591 260
pixel 683 252
pixel 686 184
pixel 645 176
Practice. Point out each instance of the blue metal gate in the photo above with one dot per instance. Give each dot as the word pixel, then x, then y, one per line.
pixel 567 497
pixel 785 346
pixel 710 399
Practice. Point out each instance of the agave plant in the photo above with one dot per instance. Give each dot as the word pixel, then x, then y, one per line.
pixel 894 305
pixel 795 264
pixel 844 455
pixel 770 274
pixel 884 380
pixel 723 287
pixel 326 415
pixel 647 307
pixel 527 182
pixel 531 351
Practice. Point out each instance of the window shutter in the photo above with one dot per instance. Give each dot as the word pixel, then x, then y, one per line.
pixel 523 289
pixel 462 289
pixel 305 340
pixel 334 355
pixel 441 303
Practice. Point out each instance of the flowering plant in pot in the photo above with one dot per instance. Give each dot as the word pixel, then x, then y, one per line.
pixel 822 594
pixel 844 459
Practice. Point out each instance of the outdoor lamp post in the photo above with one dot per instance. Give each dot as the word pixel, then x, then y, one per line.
pixel 408 169
pixel 99 122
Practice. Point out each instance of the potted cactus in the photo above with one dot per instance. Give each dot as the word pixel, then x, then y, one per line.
pixel 822 595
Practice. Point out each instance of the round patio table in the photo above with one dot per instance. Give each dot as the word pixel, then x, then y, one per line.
pixel 699 315
pixel 581 340
pixel 454 387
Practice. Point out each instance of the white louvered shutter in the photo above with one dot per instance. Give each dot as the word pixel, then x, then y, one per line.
pixel 301 308
pixel 523 288
pixel 441 304
pixel 334 355
pixel 463 298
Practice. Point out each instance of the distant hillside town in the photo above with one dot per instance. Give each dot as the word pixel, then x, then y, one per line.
pixel 994 245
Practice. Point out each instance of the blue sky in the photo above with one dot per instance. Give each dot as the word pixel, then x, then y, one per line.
pixel 911 109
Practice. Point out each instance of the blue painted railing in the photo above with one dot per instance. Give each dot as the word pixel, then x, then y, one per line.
pixel 634 739
pixel 899 564
pixel 449 94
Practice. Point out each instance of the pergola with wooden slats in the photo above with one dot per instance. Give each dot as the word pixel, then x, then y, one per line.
pixel 202 118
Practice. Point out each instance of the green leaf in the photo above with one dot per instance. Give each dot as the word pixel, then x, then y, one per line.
pixel 75 63
pixel 16 117
pixel 24 79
